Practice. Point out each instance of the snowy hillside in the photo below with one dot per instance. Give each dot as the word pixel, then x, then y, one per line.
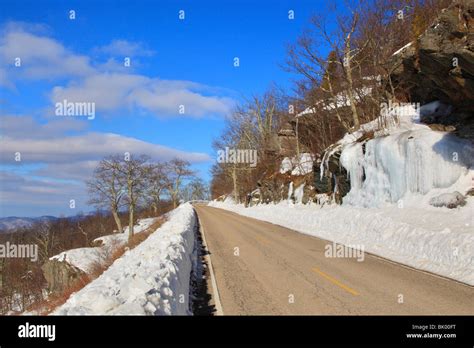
pixel 151 279
pixel 409 195
pixel 86 259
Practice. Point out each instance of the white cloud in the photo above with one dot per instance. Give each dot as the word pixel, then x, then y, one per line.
pixel 49 156
pixel 70 149
pixel 33 197
pixel 111 92
pixel 26 127
pixel 48 144
pixel 109 84
pixel 125 48
pixel 41 57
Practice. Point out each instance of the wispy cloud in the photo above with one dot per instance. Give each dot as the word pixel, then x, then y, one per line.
pixel 40 57
pixel 49 157
pixel 110 85
pixel 111 92
pixel 125 48
pixel 48 144
pixel 35 196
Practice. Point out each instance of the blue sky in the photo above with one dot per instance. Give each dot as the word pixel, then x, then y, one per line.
pixel 173 62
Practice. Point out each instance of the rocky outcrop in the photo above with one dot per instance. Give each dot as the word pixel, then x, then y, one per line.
pixel 440 66
pixel 287 140
pixel 449 200
pixel 60 275
pixel 334 181
pixel 280 187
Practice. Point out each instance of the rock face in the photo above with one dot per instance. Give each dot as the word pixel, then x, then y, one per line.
pixel 276 188
pixel 440 66
pixel 449 200
pixel 287 140
pixel 60 275
pixel 334 180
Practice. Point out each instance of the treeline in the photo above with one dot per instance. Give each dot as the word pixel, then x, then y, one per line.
pixel 123 189
pixel 344 62
pixel 21 279
pixel 131 182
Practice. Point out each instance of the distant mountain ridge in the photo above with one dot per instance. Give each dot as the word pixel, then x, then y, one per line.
pixel 10 223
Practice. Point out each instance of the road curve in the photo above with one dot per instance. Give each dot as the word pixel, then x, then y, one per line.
pixel 261 268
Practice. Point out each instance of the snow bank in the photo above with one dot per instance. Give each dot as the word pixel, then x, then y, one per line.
pixel 298 165
pixel 87 258
pixel 437 240
pixel 151 279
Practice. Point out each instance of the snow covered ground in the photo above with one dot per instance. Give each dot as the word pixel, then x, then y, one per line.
pixel 151 279
pixel 86 258
pixel 438 240
pixel 402 180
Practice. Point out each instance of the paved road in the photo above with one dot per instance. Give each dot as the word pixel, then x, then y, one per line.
pixel 275 270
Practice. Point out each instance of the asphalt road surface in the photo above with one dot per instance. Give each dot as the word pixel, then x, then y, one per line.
pixel 261 268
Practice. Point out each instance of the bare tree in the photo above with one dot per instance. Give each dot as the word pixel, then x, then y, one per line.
pixel 106 189
pixel 157 183
pixel 196 189
pixel 133 174
pixel 178 170
pixel 46 240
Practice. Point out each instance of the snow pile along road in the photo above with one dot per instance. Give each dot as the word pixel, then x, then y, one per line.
pixel 438 240
pixel 151 279
pixel 86 259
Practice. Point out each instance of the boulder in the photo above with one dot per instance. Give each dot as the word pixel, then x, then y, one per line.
pixel 60 275
pixel 449 200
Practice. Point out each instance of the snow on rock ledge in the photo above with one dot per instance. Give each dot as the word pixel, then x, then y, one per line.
pixel 297 165
pixel 150 279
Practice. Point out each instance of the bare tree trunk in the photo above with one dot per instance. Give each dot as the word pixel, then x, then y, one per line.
pixel 117 220
pixel 348 69
pixel 338 115
pixel 297 139
pixel 84 233
pixel 130 212
pixel 234 180
pixel 355 115
pixel 130 224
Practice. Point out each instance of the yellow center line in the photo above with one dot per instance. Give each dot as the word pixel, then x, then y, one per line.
pixel 335 281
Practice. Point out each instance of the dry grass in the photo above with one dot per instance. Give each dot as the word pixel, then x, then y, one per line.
pixel 45 307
